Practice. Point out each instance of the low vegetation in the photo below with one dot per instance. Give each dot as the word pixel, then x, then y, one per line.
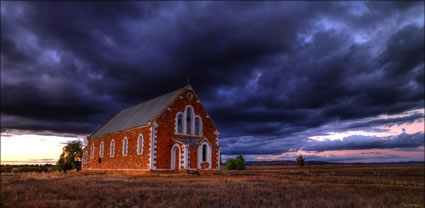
pixel 258 186
pixel 26 168
pixel 236 164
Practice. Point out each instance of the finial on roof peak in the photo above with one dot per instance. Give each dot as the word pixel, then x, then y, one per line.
pixel 188 86
pixel 187 80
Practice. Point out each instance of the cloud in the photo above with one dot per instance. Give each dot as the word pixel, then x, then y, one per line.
pixel 269 73
pixel 360 142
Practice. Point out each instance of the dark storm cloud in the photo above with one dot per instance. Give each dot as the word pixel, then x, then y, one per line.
pixel 359 142
pixel 266 71
pixel 292 142
pixel 261 145
pixel 387 121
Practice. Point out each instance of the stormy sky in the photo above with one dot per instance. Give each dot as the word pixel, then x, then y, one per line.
pixel 276 77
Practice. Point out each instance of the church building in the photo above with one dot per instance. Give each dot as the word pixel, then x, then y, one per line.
pixel 169 132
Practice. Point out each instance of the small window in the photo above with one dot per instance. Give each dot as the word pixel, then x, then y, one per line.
pixel 189 95
pixel 197 126
pixel 86 157
pixel 180 123
pixel 101 150
pixel 189 120
pixel 124 146
pixel 92 150
pixel 204 152
pixel 112 150
pixel 140 145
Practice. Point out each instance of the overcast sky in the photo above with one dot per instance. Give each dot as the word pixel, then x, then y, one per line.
pixel 336 81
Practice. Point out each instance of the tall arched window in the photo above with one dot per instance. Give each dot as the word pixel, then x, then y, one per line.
pixel 124 146
pixel 92 150
pixel 189 120
pixel 140 144
pixel 179 123
pixel 112 150
pixel 204 153
pixel 101 150
pixel 197 126
pixel 86 157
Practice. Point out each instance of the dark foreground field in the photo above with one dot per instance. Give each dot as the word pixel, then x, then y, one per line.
pixel 259 186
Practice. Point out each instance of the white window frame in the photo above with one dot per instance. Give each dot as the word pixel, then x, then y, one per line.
pixel 192 125
pixel 177 123
pixel 140 144
pixel 101 148
pixel 92 151
pixel 112 148
pixel 209 154
pixel 86 157
pixel 125 146
pixel 204 152
pixel 200 125
pixel 173 164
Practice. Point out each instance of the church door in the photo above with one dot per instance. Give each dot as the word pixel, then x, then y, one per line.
pixel 177 157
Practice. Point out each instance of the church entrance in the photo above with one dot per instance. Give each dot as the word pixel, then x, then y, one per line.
pixel 175 157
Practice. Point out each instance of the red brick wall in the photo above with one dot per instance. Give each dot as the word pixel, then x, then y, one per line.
pixel 193 157
pixel 118 161
pixel 166 131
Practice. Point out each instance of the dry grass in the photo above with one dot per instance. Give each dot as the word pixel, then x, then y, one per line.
pixel 259 186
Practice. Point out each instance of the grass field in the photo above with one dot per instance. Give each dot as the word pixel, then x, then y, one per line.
pixel 259 186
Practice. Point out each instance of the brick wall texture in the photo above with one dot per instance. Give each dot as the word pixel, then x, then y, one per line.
pixel 162 128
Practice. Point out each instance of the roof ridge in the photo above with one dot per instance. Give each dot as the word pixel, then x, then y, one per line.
pixel 153 98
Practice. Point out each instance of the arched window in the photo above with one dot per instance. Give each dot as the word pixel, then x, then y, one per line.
pixel 101 150
pixel 179 123
pixel 112 150
pixel 124 146
pixel 197 126
pixel 204 152
pixel 92 150
pixel 140 144
pixel 189 120
pixel 86 157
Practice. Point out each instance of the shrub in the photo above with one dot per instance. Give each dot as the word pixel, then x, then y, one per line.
pixel 230 164
pixel 196 173
pixel 236 164
pixel 300 160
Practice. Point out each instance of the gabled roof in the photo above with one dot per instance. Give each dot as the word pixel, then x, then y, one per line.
pixel 193 142
pixel 190 142
pixel 137 115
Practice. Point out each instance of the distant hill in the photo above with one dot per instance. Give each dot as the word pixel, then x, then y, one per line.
pixel 286 162
pixel 313 162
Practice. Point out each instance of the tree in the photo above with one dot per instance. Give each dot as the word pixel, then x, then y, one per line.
pixel 70 157
pixel 240 157
pixel 300 160
pixel 240 163
pixel 230 164
pixel 236 164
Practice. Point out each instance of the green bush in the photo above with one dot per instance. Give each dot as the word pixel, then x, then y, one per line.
pixel 236 164
pixel 230 164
